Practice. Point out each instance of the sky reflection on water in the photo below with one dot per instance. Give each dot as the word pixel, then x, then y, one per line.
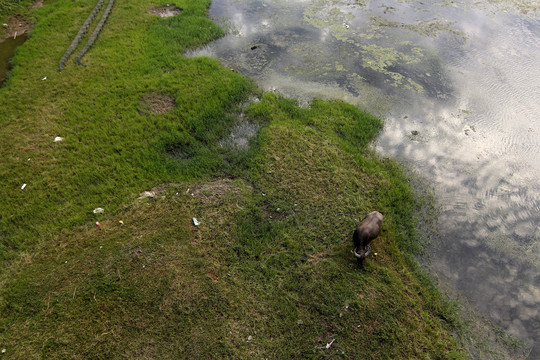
pixel 458 83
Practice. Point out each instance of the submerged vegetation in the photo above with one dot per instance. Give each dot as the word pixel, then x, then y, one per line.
pixel 267 273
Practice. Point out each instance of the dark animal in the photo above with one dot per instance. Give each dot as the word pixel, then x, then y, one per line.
pixel 366 231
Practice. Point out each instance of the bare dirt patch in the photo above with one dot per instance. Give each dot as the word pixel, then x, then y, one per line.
pixel 157 103
pixel 211 191
pixel 165 11
pixel 36 5
pixel 16 26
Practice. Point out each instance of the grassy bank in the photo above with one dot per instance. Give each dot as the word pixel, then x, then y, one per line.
pixel 267 274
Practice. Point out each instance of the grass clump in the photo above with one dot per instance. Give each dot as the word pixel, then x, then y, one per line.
pixel 268 273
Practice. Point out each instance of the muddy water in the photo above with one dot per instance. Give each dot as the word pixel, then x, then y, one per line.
pixel 7 50
pixel 458 83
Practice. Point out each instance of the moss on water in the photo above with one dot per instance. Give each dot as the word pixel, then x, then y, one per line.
pixel 332 17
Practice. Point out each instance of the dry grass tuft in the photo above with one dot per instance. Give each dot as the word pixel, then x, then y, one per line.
pixel 157 103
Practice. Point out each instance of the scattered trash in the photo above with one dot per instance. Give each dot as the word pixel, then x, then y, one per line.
pixel 98 210
pixel 300 322
pixel 144 266
pixel 264 194
pixel 101 247
pixel 44 78
pixel 58 138
pixel 121 222
pixel 148 194
pixel 346 25
pixel 195 222
pixel 254 47
pixel 98 223
pixel 278 209
pixel 23 186
pixel 375 254
pixel 65 262
pixel 4 350
pixel 250 338
pixel 28 159
pixel 330 344
pixel 4 25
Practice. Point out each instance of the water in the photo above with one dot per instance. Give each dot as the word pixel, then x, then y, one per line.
pixel 458 83
pixel 7 50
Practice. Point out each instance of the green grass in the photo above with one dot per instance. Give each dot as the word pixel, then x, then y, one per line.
pixel 11 7
pixel 267 274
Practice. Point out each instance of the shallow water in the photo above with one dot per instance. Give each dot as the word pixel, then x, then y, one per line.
pixel 458 83
pixel 7 50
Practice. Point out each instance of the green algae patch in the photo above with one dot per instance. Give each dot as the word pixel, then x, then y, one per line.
pixel 382 59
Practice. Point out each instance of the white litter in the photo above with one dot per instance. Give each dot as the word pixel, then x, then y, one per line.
pixel 44 78
pixel 98 210
pixel 148 194
pixel 330 344
pixel 195 222
pixel 58 138
pixel 23 186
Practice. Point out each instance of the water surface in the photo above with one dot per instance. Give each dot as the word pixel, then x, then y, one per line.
pixel 458 83
pixel 7 51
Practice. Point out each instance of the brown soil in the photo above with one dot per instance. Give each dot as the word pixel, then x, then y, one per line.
pixel 16 26
pixel 157 103
pixel 165 11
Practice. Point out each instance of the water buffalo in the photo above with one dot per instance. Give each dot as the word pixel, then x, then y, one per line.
pixel 366 231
